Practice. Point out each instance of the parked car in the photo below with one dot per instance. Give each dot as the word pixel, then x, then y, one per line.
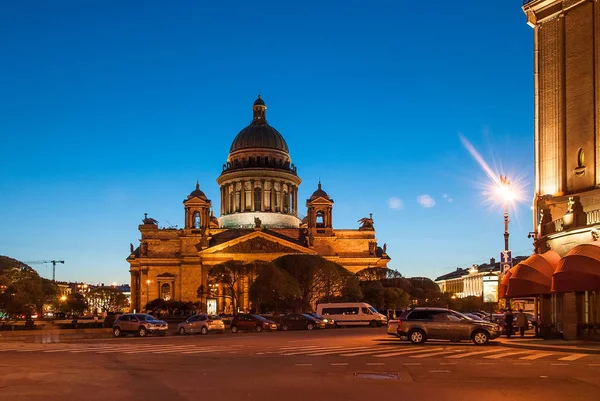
pixel 298 321
pixel 201 324
pixel 246 322
pixel 139 324
pixel 421 324
pixel 328 322
pixel 474 317
pixel 352 314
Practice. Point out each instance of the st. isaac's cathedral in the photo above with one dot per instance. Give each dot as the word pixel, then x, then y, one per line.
pixel 259 220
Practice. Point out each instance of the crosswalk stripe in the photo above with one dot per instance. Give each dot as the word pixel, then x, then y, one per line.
pixel 433 354
pixel 390 354
pixel 371 351
pixel 112 347
pixel 296 348
pixel 337 351
pixel 467 354
pixel 177 349
pixel 498 356
pixel 306 352
pixel 573 357
pixel 536 356
pixel 202 351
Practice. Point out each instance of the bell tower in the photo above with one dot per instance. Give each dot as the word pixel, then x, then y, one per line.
pixel 197 210
pixel 320 207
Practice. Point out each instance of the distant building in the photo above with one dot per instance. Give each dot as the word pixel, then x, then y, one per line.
pixel 468 282
pixel 260 220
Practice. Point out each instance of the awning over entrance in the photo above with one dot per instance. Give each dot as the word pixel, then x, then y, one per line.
pixel 533 276
pixel 503 287
pixel 579 270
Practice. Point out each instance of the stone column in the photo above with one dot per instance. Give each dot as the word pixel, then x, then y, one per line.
pixel 296 200
pixel 222 201
pixel 262 196
pixel 281 197
pixel 272 194
pixel 252 195
pixel 293 200
pixel 243 196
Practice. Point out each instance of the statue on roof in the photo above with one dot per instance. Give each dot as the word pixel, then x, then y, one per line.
pixel 148 220
pixel 257 222
pixel 367 223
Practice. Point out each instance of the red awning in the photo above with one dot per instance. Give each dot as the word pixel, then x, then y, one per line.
pixel 579 270
pixel 503 287
pixel 533 276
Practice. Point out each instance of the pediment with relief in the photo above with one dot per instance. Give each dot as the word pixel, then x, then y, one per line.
pixel 258 245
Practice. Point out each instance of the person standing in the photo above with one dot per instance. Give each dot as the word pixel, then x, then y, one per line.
pixel 522 322
pixel 508 322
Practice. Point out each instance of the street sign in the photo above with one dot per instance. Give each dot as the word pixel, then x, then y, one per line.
pixel 505 267
pixel 506 256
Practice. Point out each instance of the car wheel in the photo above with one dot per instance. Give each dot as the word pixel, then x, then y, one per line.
pixel 142 332
pixel 373 323
pixel 234 329
pixel 310 326
pixel 117 332
pixel 416 336
pixel 259 328
pixel 182 331
pixel 480 337
pixel 284 327
pixel 204 330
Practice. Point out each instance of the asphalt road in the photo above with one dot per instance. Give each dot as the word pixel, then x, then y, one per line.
pixel 345 364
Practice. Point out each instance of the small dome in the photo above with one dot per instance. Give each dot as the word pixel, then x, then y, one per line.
pixel 319 193
pixel 197 192
pixel 259 102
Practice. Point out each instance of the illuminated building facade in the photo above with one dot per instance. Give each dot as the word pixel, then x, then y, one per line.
pixel 259 221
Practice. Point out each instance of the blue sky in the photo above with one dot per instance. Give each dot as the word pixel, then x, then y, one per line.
pixel 112 110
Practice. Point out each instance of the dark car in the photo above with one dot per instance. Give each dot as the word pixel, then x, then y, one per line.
pixel 328 322
pixel 139 324
pixel 246 322
pixel 298 321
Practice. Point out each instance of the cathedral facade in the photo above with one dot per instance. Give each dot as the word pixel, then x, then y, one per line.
pixel 259 221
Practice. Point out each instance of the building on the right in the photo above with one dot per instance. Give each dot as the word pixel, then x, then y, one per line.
pixel 566 205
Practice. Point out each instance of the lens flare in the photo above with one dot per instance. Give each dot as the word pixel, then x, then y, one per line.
pixel 502 189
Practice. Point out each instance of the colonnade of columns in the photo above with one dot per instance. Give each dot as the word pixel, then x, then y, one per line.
pixel 236 198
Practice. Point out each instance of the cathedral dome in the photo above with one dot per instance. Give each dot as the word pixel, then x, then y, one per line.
pixel 259 134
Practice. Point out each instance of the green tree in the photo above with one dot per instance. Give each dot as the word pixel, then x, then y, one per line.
pixel 273 287
pixel 106 299
pixel 231 275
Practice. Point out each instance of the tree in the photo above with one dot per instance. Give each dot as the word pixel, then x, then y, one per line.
pixel 74 303
pixel 273 287
pixel 232 274
pixel 378 274
pixel 317 278
pixel 107 299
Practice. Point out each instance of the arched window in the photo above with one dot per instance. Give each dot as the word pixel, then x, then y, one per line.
pixel 197 220
pixel 320 219
pixel 580 158
pixel 165 291
pixel 257 198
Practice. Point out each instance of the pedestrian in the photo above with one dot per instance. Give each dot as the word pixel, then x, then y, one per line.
pixel 508 322
pixel 522 322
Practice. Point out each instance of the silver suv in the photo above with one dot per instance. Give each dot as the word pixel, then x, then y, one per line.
pixel 420 324
pixel 139 324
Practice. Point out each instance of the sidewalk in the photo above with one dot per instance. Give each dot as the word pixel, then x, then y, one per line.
pixel 53 335
pixel 582 347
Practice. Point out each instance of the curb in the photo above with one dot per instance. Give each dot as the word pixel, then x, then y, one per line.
pixel 542 347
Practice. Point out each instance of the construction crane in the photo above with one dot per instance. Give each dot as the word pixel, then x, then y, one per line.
pixel 54 262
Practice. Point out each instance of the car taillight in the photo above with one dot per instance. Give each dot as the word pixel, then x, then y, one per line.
pixel 399 323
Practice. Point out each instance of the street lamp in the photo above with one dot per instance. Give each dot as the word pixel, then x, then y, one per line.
pixel 506 195
pixel 147 295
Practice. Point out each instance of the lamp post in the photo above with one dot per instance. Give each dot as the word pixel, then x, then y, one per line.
pixel 504 191
pixel 147 295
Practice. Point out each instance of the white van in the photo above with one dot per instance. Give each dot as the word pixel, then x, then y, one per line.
pixel 352 314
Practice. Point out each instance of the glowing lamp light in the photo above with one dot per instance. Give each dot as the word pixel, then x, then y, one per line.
pixel 63 298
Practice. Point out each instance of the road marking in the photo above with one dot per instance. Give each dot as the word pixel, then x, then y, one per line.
pixel 559 364
pixel 467 354
pixel 336 351
pixel 593 364
pixel 303 364
pixel 390 354
pixel 371 351
pixel 339 364
pixel 260 353
pixel 447 363
pixel 312 351
pixel 412 364
pixel 544 377
pixel 432 354
pixel 202 351
pixel 439 371
pixel 485 363
pixel 522 363
pixel 296 348
pixel 536 356
pixel 498 356
pixel 573 357
pixel 375 363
